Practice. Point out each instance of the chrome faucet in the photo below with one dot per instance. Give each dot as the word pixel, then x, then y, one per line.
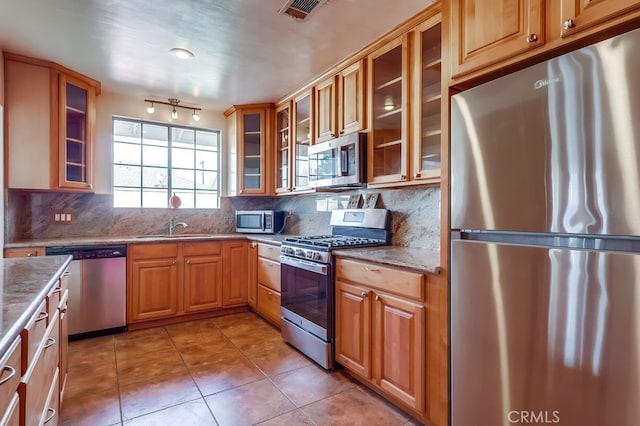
pixel 173 226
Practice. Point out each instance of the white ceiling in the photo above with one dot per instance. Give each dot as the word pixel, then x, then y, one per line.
pixel 245 52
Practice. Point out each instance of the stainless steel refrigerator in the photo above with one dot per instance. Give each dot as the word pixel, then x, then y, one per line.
pixel 545 251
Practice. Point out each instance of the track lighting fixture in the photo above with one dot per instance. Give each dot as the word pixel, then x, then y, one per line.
pixel 174 103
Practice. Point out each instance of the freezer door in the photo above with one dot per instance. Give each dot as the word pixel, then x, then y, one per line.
pixel 552 148
pixel 544 334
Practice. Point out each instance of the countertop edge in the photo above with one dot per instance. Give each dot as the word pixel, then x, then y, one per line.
pixel 16 329
pixel 399 257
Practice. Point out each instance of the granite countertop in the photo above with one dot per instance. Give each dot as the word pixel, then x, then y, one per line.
pixel 421 260
pixel 91 241
pixel 24 284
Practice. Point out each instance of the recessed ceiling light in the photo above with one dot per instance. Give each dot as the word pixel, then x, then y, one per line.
pixel 181 53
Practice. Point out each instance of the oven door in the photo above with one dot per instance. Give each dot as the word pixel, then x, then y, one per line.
pixel 307 295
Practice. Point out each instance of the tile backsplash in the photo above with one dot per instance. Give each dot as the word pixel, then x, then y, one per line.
pixel 30 215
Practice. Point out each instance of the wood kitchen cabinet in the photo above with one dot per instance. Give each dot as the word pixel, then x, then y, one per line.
pixel 283 152
pixel 266 282
pixel 351 98
pixel 427 100
pixel 24 252
pixel 249 135
pixel 49 110
pixel 169 280
pixel 203 281
pixel 303 132
pixel 325 110
pixel 153 283
pixel 10 372
pixel 388 83
pixel 381 329
pixel 236 274
pixel 484 32
pixel 576 16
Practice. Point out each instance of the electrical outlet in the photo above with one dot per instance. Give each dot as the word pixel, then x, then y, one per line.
pixel 63 217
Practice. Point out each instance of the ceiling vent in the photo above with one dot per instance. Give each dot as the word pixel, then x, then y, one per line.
pixel 300 9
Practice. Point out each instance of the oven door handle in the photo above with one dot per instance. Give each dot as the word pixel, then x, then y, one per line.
pixel 318 268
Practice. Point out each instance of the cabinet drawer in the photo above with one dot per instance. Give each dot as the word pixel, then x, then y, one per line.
pixel 269 274
pixel 201 249
pixel 24 252
pixel 10 374
pixel 11 416
pixel 50 414
pixel 53 300
pixel 396 281
pixel 33 334
pixel 152 251
pixel 269 304
pixel 268 251
pixel 36 383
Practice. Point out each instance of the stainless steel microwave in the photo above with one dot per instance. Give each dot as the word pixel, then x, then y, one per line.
pixel 260 221
pixel 339 163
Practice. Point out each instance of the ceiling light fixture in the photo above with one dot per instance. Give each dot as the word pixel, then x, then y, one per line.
pixel 181 53
pixel 174 103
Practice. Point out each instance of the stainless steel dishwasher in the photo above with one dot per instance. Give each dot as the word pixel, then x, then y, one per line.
pixel 97 289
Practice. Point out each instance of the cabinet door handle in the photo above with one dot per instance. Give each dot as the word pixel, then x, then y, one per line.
pixel 270 293
pixel 532 38
pixel 50 416
pixel 12 372
pixel 188 262
pixel 418 175
pixel 403 177
pixel 377 298
pixel 30 254
pixel 66 273
pixel 43 315
pixel 173 263
pixel 568 24
pixel 371 269
pixel 50 342
pixel 365 294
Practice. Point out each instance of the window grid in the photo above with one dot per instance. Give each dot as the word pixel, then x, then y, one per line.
pixel 198 186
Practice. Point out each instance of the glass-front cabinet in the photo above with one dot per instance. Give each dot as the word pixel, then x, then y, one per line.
pixel 283 148
pixel 388 112
pixel 427 100
pixel 248 147
pixel 303 130
pixel 77 106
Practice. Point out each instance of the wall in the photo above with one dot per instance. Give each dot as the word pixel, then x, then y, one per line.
pixel 109 104
pixel 415 215
pixel 2 190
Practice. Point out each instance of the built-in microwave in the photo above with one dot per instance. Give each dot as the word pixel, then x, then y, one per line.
pixel 260 221
pixel 339 163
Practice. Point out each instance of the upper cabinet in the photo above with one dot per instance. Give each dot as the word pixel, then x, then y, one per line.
pixel 303 127
pixel 484 32
pixel 581 15
pixel 283 148
pixel 325 111
pixel 388 88
pixel 486 35
pixel 249 134
pixel 351 98
pixel 427 100
pixel 49 110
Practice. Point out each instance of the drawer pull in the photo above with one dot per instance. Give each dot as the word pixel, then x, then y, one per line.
pixel 365 294
pixel 377 298
pixel 66 273
pixel 50 342
pixel 270 293
pixel 63 310
pixel 30 254
pixel 12 372
pixel 57 290
pixel 51 416
pixel 568 24
pixel 43 315
pixel 532 38
pixel 370 269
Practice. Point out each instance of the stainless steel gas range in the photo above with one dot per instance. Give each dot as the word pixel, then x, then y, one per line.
pixel 307 278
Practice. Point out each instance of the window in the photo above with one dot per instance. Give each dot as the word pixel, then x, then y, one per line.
pixel 152 161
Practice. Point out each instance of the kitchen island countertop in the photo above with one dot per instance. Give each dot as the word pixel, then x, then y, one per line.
pixel 24 284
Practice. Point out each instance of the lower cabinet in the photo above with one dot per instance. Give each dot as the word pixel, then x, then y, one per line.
pixel 381 329
pixel 172 279
pixel 265 282
pixel 10 372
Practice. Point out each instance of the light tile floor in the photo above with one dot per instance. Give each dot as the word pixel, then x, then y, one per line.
pixel 231 370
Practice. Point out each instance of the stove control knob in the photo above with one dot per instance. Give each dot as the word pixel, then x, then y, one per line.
pixel 300 252
pixel 316 256
pixel 310 254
